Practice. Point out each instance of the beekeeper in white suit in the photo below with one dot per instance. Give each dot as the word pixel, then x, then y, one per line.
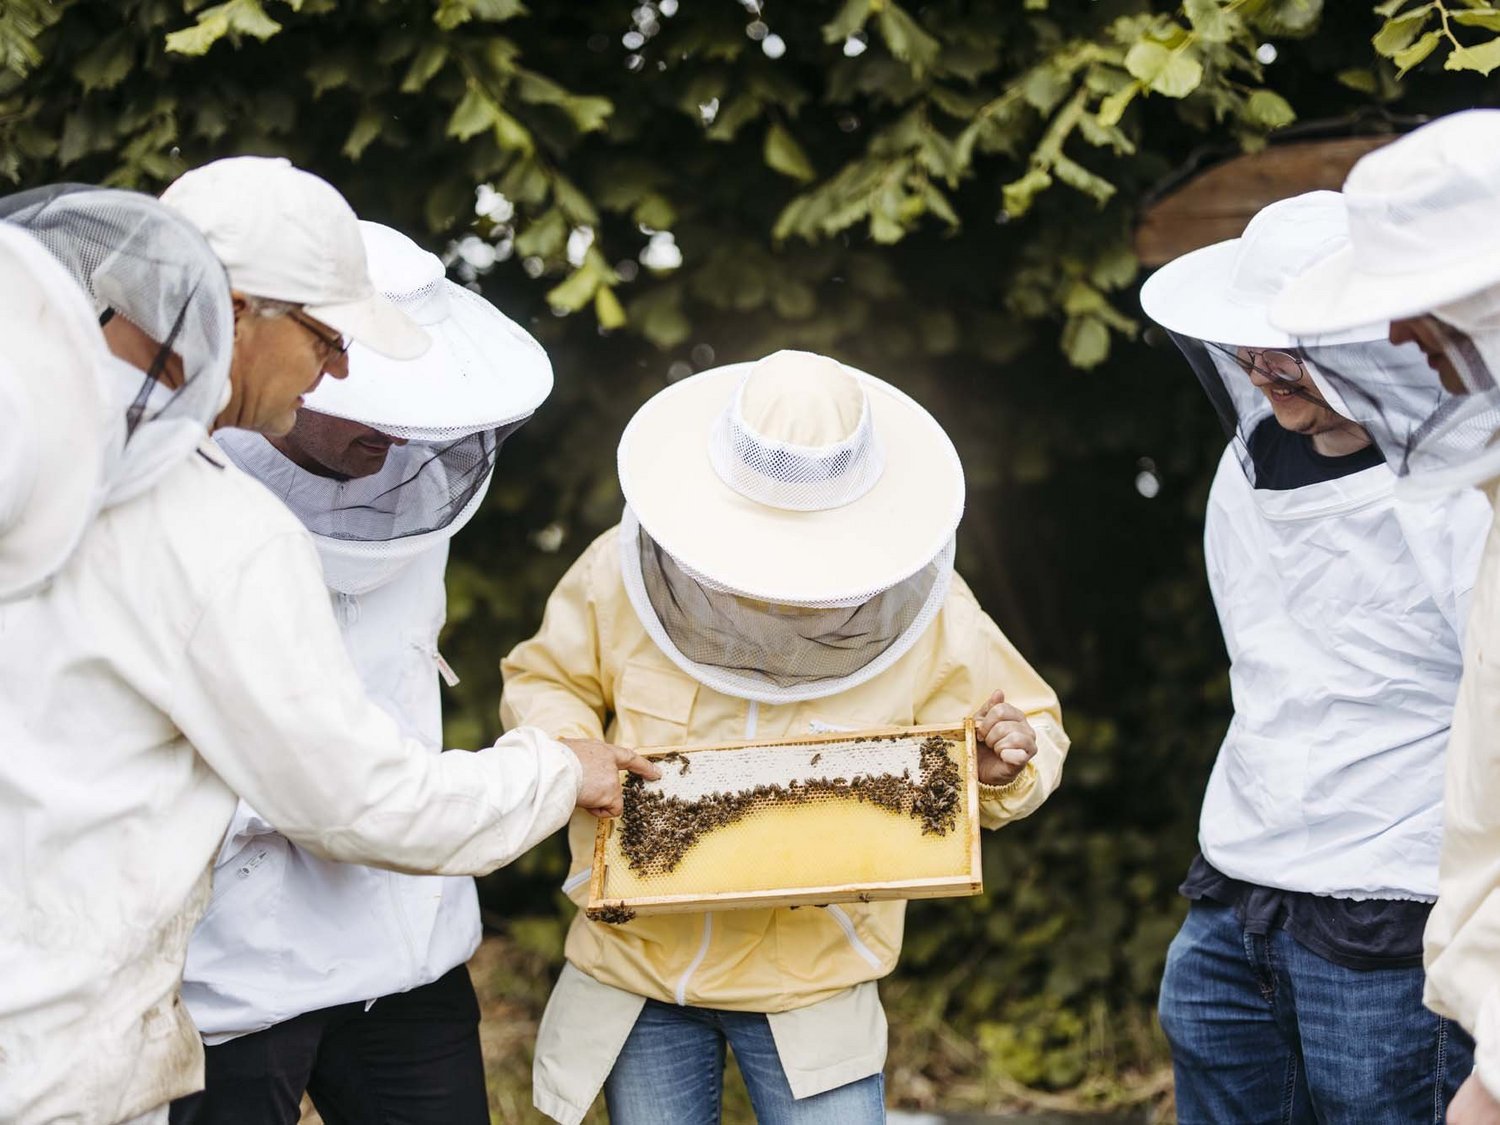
pixel 184 651
pixel 1424 258
pixel 342 980
pixel 1293 990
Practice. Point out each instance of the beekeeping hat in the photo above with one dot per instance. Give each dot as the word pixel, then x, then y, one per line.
pixel 1424 243
pixel 1215 303
pixel 137 260
pixel 1423 230
pixel 453 407
pixel 60 433
pixel 789 524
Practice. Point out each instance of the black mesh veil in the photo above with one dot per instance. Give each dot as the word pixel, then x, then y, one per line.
pixel 1243 383
pixel 1431 401
pixel 139 261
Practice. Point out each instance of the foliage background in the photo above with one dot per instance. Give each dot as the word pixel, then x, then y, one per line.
pixel 941 193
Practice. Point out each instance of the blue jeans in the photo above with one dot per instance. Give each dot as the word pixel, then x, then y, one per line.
pixel 671 1072
pixel 1263 1030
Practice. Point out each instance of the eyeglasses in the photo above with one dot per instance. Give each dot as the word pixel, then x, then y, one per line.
pixel 335 345
pixel 1268 363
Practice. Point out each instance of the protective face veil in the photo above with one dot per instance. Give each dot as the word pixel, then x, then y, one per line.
pixel 792 461
pixel 1214 303
pixel 1424 257
pixel 139 261
pixel 451 410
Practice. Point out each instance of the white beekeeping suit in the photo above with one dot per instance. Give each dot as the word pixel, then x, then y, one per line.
pixel 179 653
pixel 1341 606
pixel 287 932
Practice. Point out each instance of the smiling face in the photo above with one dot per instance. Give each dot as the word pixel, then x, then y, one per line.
pixel 1295 399
pixel 335 447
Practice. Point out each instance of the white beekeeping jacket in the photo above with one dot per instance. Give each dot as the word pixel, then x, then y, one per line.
pixel 185 655
pixel 1342 613
pixel 286 932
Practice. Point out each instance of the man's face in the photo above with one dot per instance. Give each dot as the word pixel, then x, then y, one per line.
pixel 1429 335
pixel 1295 399
pixel 277 361
pixel 334 447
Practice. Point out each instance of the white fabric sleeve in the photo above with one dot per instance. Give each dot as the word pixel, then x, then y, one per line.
pixel 1487 1043
pixel 267 695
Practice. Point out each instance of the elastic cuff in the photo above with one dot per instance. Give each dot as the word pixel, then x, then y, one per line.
pixel 1000 792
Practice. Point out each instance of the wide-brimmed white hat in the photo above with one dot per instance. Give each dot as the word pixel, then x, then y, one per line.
pixel 1224 292
pixel 60 425
pixel 794 479
pixel 1424 230
pixel 285 234
pixel 482 371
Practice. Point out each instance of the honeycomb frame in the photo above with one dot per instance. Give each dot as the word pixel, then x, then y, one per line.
pixel 961 875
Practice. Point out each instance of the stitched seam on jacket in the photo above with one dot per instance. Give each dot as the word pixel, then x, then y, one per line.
pixel 680 994
pixel 847 925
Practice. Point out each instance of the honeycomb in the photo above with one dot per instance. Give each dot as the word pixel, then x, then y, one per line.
pixel 843 811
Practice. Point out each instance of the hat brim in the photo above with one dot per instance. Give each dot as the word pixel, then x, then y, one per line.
pixel 54 352
pixel 798 557
pixel 482 371
pixel 1335 294
pixel 377 324
pixel 1193 296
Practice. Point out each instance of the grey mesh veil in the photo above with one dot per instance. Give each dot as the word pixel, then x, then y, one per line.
pixel 451 409
pixel 1434 417
pixel 789 525
pixel 136 259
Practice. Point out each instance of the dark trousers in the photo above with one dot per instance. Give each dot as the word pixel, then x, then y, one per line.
pixel 412 1059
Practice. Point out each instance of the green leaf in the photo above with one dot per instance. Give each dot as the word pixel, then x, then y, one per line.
pixel 851 18
pixel 658 315
pixel 1358 78
pixel 577 289
pixel 1172 73
pixel 1390 7
pixel 1269 109
pixel 1112 108
pixel 246 17
pixel 1212 22
pixel 543 238
pixel 732 117
pixel 1483 58
pixel 1418 51
pixel 1488 18
pixel 1396 35
pixel 1085 341
pixel 1079 178
pixel 783 154
pixel 1045 86
pixel 366 128
pixel 453 13
pixel 106 65
pixel 475 113
pixel 607 308
pixel 654 211
pixel 511 135
pixel 907 39
pixel 1018 194
pixel 429 61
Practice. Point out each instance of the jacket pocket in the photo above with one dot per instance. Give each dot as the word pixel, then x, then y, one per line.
pixel 654 705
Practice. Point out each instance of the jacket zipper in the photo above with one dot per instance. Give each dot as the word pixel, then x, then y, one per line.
pixel 752 722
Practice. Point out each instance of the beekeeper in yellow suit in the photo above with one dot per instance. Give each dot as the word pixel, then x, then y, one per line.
pixel 783 566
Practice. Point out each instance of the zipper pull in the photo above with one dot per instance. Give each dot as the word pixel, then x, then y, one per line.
pixel 445 670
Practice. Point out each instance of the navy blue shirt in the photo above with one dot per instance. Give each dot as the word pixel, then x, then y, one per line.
pixel 1358 934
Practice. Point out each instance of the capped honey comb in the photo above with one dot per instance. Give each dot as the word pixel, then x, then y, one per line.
pixel 839 817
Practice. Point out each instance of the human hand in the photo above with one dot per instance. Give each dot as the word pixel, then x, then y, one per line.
pixel 602 762
pixel 1474 1104
pixel 1004 739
